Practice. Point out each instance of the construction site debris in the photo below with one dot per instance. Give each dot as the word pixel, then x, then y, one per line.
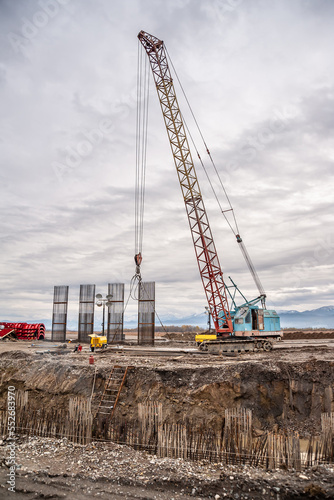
pixel 54 466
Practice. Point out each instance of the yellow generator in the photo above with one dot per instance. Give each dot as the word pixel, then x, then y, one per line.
pixel 98 341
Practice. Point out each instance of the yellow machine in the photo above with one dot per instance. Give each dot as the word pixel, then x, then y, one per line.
pixel 205 337
pixel 98 341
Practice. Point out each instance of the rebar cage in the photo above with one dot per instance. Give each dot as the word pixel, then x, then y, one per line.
pixel 116 313
pixel 86 312
pixel 59 315
pixel 146 313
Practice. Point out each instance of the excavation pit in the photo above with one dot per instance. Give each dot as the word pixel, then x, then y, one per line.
pixel 287 391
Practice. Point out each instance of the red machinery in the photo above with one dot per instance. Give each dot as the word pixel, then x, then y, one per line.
pixel 23 331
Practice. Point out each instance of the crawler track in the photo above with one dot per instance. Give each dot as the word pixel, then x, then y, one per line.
pixel 245 345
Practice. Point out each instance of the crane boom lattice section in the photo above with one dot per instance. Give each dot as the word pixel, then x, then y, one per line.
pixel 207 258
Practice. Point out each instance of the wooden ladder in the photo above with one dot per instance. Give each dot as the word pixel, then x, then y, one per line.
pixel 112 391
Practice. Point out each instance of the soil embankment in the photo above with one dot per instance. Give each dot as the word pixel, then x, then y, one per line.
pixel 283 393
pixel 308 334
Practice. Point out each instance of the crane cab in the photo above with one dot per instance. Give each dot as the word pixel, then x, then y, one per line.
pixel 252 321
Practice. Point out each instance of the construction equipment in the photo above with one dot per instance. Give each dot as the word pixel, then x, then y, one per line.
pixel 98 341
pixel 7 333
pixel 23 331
pixel 249 324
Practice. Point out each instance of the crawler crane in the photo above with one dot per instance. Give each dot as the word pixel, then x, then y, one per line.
pixel 247 327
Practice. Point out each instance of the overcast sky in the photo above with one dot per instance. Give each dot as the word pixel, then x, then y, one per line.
pixel 259 76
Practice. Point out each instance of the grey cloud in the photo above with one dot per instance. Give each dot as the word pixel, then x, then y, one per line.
pixel 238 71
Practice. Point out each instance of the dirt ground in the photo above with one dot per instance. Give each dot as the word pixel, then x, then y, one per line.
pixel 288 334
pixel 308 334
pixel 290 385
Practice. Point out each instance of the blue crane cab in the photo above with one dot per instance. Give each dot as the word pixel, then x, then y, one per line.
pixel 252 321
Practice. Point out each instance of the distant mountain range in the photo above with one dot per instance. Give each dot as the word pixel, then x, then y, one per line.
pixel 323 317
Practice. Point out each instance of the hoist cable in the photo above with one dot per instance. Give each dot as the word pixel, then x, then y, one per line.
pixel 223 187
pixel 133 291
pixel 237 232
pixel 137 147
pixel 208 151
pixel 207 175
pixel 144 151
pixel 141 146
pixel 135 295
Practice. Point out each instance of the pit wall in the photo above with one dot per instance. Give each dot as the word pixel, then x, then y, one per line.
pixel 280 395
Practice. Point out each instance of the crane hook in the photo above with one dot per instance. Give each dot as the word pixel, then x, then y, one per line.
pixel 138 261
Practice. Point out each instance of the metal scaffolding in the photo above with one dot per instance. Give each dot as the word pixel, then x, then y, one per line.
pixel 116 312
pixel 86 312
pixel 146 313
pixel 59 315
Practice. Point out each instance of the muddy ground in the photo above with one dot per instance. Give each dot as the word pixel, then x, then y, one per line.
pixel 287 388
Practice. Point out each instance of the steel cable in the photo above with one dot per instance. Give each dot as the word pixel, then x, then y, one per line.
pixel 235 231
pixel 208 151
pixel 141 146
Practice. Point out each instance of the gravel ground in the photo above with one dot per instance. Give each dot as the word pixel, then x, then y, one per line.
pixel 56 468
